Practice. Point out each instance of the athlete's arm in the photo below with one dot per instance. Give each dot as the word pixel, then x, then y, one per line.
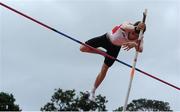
pixel 128 27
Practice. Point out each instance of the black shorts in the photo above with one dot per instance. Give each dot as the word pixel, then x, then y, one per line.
pixel 103 41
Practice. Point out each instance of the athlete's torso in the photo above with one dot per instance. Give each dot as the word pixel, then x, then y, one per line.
pixel 118 36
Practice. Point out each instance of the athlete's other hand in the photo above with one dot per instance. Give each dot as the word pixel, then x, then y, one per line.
pixel 141 26
pixel 127 46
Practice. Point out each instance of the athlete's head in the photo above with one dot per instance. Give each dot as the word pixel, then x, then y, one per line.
pixel 136 24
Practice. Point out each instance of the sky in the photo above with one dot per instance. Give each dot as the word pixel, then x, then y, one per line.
pixel 34 61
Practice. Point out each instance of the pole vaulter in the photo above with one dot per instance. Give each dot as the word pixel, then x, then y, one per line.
pixel 96 50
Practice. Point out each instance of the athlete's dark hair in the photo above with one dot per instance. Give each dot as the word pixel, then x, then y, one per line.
pixel 136 23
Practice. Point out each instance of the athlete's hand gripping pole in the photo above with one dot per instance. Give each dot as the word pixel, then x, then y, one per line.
pixel 134 63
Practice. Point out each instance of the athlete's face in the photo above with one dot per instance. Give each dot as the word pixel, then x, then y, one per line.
pixel 133 36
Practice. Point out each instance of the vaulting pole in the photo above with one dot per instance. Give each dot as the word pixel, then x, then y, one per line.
pixel 134 63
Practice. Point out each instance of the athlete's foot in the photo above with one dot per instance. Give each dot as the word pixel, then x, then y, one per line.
pixel 92 98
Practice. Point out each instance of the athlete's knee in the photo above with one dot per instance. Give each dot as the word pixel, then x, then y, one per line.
pixel 84 48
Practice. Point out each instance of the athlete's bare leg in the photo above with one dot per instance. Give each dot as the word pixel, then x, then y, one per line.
pixel 87 49
pixel 100 77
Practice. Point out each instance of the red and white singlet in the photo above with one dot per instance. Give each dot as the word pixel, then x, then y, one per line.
pixel 118 36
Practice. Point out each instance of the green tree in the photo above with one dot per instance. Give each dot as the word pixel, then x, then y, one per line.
pixel 69 101
pixel 7 102
pixel 146 105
